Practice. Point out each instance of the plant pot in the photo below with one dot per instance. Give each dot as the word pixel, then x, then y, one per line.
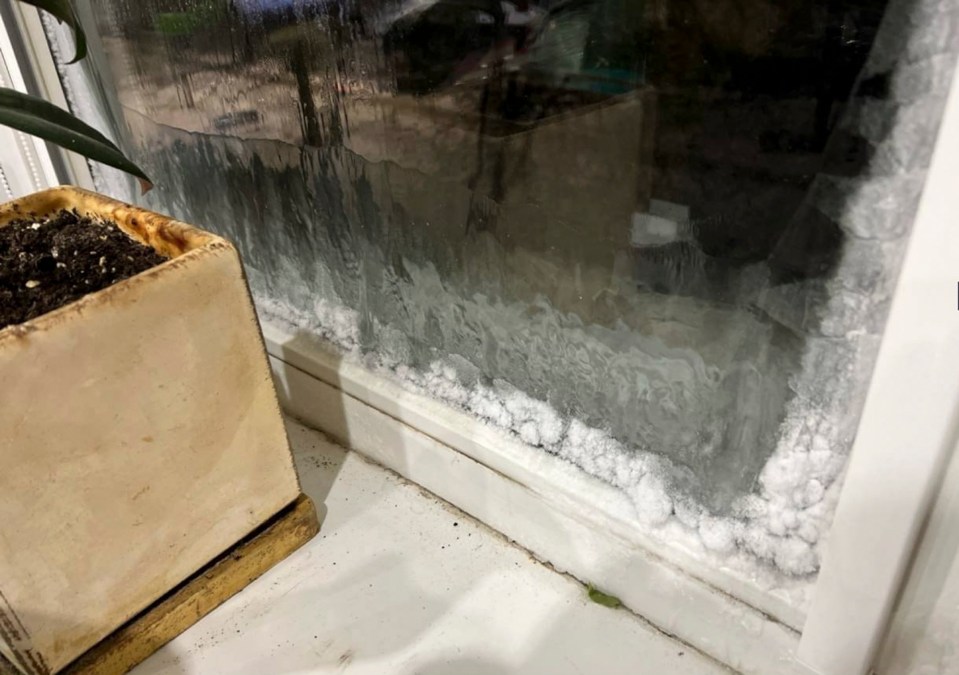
pixel 140 437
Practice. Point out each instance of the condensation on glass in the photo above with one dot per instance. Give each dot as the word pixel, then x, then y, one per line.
pixel 648 237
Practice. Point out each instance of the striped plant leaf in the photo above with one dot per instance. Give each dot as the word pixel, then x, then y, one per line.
pixel 39 118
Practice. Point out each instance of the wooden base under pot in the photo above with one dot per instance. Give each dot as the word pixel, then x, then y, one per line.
pixel 199 595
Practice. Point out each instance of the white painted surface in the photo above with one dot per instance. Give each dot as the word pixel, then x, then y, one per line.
pixel 39 68
pixel 924 635
pixel 652 230
pixel 907 428
pixel 398 582
pixel 604 507
pixel 551 525
pixel 25 164
pixel 664 223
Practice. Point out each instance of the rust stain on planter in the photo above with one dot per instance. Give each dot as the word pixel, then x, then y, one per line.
pixel 178 242
pixel 166 236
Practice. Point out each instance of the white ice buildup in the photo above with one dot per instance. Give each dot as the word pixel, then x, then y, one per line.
pixel 778 526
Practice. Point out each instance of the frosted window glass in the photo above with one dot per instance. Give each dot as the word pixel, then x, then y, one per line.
pixel 656 239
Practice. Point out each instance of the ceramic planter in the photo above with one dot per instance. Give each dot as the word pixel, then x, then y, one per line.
pixel 140 437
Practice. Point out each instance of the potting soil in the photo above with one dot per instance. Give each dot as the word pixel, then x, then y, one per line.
pixel 50 262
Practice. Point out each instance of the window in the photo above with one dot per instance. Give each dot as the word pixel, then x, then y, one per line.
pixel 654 239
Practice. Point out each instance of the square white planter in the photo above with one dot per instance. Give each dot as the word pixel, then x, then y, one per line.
pixel 140 437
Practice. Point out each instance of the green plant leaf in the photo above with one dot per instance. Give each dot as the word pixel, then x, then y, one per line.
pixel 604 599
pixel 39 118
pixel 63 11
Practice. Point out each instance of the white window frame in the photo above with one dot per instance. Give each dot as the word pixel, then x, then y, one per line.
pixel 27 65
pixel 906 433
pixel 25 161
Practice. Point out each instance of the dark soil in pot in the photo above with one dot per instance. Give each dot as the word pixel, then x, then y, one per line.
pixel 47 263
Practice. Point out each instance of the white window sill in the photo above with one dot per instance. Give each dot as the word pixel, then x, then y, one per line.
pixel 400 582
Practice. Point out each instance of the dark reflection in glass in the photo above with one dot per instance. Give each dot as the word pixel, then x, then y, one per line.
pixel 604 204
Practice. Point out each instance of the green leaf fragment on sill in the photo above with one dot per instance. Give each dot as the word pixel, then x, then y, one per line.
pixel 604 599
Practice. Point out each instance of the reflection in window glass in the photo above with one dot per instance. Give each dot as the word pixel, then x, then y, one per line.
pixel 651 238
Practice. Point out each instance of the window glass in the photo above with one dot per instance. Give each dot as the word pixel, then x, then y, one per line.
pixel 654 238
